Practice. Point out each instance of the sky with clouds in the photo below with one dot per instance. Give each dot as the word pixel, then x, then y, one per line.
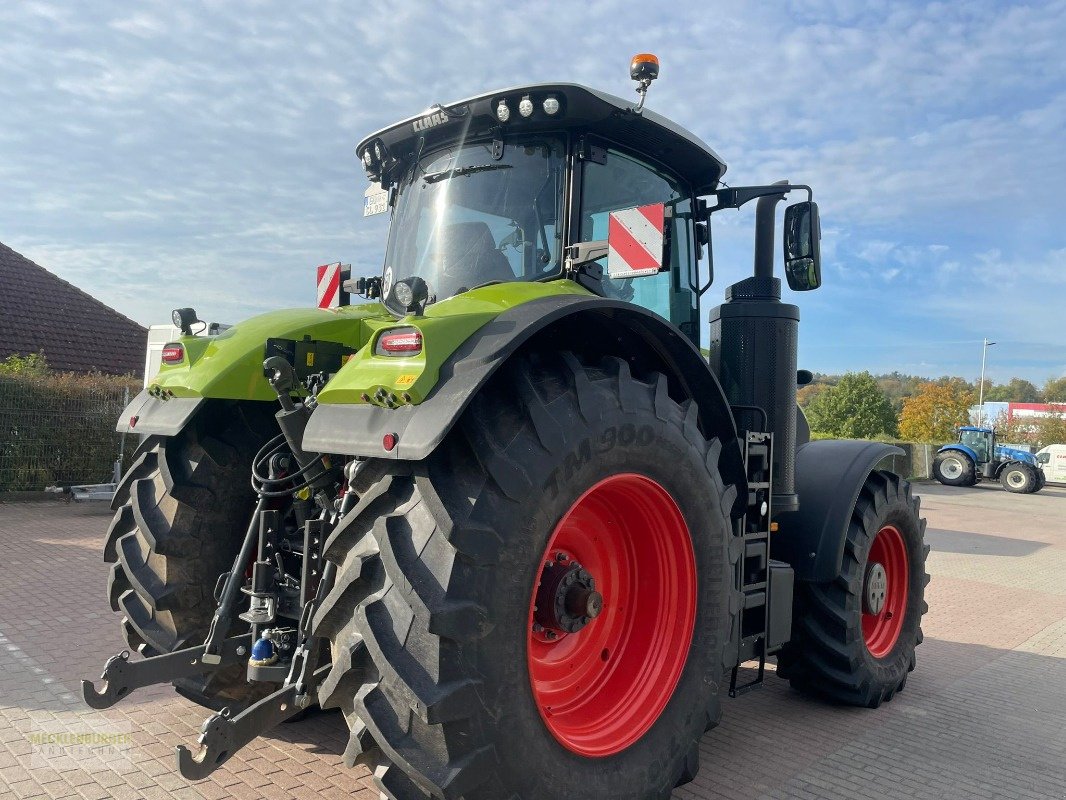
pixel 160 154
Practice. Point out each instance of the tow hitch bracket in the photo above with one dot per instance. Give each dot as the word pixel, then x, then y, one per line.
pixel 121 676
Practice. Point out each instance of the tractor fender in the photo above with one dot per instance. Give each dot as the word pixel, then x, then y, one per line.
pixel 969 451
pixel 558 321
pixel 164 416
pixel 830 474
pixel 1002 465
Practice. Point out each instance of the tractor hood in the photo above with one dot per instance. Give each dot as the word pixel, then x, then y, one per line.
pixel 230 366
pixel 1013 454
pixel 578 108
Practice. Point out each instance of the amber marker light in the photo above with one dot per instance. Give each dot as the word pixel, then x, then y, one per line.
pixel 644 67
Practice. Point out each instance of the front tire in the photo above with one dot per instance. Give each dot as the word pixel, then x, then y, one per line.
pixel 1019 478
pixel 954 468
pixel 454 675
pixel 854 637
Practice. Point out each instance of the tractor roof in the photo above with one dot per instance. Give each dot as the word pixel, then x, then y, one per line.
pixel 581 110
pixel 975 428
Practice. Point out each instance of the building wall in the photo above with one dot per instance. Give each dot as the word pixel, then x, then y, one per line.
pixel 1019 410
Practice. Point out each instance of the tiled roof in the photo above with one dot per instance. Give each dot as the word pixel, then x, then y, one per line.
pixel 77 333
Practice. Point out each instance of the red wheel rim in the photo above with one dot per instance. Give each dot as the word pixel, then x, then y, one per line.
pixel 881 630
pixel 601 688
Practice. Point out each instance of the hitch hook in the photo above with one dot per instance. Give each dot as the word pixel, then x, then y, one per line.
pixel 115 684
pixel 223 734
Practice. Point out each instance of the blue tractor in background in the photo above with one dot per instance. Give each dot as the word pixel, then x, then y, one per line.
pixel 976 455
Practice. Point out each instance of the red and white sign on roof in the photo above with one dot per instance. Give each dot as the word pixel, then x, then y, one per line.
pixel 329 285
pixel 635 241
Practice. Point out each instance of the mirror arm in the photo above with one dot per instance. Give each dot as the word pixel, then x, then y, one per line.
pixel 584 252
pixel 736 197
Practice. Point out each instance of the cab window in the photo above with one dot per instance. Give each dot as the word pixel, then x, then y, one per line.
pixel 978 442
pixel 625 182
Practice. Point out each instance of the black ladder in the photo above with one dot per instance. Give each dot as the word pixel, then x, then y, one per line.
pixel 753 566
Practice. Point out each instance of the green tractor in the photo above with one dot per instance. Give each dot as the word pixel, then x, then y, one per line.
pixel 505 515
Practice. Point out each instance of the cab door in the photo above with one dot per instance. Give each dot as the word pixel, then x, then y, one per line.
pixel 618 180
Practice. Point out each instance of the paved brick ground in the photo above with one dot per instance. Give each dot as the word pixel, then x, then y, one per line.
pixel 984 716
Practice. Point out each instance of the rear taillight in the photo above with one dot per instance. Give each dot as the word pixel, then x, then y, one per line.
pixel 173 354
pixel 399 342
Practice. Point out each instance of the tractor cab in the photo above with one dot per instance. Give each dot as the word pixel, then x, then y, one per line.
pixel 982 441
pixel 522 185
pixel 558 182
pixel 498 188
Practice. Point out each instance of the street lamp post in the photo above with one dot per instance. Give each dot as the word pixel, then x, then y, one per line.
pixel 981 400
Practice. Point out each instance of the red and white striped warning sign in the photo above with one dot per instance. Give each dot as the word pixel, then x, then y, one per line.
pixel 329 285
pixel 635 241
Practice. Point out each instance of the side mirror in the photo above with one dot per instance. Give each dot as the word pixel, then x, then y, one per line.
pixel 636 242
pixel 803 267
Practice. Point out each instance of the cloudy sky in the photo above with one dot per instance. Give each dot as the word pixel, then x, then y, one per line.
pixel 164 154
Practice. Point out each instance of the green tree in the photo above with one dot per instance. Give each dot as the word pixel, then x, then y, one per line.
pixel 33 364
pixel 936 410
pixel 1052 430
pixel 806 394
pixel 1018 390
pixel 855 408
pixel 1055 390
pixel 897 386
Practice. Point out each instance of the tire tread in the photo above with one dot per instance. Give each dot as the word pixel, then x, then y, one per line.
pixel 410 713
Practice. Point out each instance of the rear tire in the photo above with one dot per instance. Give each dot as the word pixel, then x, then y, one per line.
pixel 182 510
pixel 1019 478
pixel 840 649
pixel 429 618
pixel 954 468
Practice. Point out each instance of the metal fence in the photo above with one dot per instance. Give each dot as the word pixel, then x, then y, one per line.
pixel 59 429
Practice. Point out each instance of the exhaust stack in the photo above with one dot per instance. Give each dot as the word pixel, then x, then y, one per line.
pixel 753 347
